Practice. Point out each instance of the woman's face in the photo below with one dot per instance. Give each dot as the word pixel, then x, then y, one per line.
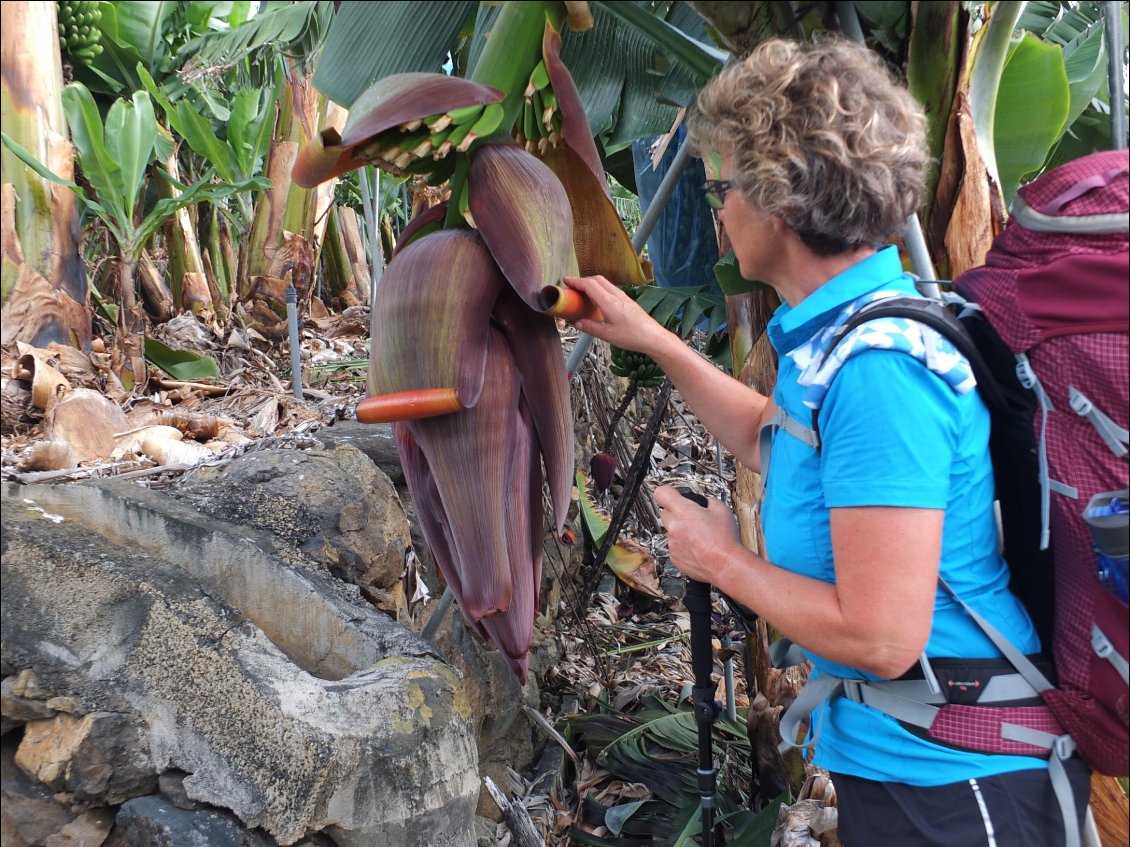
pixel 750 230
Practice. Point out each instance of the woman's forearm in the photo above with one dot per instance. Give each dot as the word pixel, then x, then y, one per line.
pixel 731 411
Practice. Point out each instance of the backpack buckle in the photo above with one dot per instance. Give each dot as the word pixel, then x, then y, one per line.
pixel 853 690
pixel 1100 643
pixel 1080 403
pixel 1063 748
pixel 1024 372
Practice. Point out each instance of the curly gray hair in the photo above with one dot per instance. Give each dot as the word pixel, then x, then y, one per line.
pixel 821 136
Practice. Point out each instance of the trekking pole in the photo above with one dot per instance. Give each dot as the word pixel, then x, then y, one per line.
pixel 706 709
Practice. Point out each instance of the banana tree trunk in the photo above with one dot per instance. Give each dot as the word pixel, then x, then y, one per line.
pixel 756 366
pixel 44 290
pixel 155 291
pixel 346 276
pixel 220 257
pixel 335 262
pixel 187 276
pixel 289 220
pixel 127 358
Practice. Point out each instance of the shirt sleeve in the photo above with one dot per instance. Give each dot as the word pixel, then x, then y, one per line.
pixel 889 430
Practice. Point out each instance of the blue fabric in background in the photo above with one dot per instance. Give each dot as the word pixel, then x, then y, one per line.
pixel 683 247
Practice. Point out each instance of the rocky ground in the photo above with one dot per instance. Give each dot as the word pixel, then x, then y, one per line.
pixel 620 652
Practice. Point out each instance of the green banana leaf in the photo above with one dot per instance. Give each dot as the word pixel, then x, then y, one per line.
pixel 889 22
pixel 754 829
pixel 617 816
pixel 92 206
pixel 1032 106
pixel 204 190
pixel 369 41
pixel 934 55
pixel 730 277
pixel 1085 61
pixel 299 27
pixel 99 168
pixel 249 128
pixel 194 128
pixel 680 308
pixel 205 14
pixel 141 25
pixel 633 69
pixel 989 52
pixel 131 132
pixel 131 238
pixel 180 364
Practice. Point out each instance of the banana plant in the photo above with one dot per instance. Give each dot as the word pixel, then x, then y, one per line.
pixel 465 356
pixel 114 157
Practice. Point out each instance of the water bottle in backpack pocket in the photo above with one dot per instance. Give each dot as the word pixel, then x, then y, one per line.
pixel 1109 521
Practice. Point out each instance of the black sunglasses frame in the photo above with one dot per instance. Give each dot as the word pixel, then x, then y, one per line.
pixel 715 190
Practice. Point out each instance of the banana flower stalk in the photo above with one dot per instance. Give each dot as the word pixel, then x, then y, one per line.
pixel 465 354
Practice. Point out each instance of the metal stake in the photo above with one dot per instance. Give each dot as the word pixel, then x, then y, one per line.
pixel 639 239
pixel 295 352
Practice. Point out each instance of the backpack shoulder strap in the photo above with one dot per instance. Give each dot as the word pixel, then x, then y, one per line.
pixel 935 315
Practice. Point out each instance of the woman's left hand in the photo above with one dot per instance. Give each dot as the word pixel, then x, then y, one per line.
pixel 696 535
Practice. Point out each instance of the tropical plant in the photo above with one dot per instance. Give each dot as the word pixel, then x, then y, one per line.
pixel 114 157
pixel 658 747
pixel 44 291
pixel 529 205
pixel 217 69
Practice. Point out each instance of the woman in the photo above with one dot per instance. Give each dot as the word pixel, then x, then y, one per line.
pixel 822 159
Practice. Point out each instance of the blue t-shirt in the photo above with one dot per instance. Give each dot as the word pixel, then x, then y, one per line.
pixel 893 433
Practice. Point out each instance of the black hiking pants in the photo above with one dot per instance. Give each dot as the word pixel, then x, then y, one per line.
pixel 1017 809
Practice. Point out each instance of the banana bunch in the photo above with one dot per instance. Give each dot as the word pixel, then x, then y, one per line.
pixel 419 145
pixel 539 125
pixel 386 128
pixel 79 35
pixel 636 366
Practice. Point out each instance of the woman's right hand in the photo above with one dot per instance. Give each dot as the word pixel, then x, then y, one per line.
pixel 625 324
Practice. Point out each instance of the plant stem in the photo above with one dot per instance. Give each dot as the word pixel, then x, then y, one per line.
pixel 131 325
pixel 625 402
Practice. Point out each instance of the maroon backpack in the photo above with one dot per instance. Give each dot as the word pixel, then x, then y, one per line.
pixel 1054 288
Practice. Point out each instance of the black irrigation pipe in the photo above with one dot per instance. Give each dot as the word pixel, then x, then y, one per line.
pixel 633 480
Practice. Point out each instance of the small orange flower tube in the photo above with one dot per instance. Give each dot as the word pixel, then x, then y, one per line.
pixel 408 405
pixel 568 304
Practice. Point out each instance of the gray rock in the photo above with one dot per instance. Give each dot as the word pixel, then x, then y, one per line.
pixel 334 505
pixel 374 440
pixel 171 784
pixel 155 822
pixel 89 829
pixel 286 698
pixel 21 709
